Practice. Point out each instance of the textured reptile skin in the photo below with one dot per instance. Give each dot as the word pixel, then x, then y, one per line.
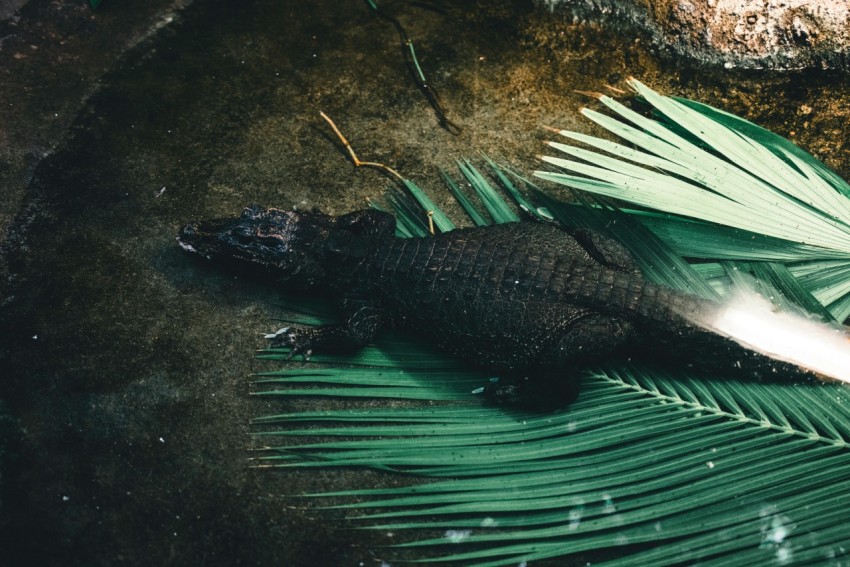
pixel 532 301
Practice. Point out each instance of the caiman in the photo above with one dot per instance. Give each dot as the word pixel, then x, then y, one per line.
pixel 533 301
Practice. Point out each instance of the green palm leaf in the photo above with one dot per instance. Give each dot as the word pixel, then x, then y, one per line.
pixel 711 471
pixel 731 190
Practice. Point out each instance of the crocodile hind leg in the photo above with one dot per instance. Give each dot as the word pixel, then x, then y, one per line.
pixel 361 319
pixel 554 381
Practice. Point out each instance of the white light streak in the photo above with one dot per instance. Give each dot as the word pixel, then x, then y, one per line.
pixel 752 321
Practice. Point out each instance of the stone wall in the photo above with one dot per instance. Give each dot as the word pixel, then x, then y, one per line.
pixel 772 34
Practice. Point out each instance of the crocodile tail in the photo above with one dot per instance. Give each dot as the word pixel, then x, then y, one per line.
pixel 740 336
pixel 629 294
pixel 669 307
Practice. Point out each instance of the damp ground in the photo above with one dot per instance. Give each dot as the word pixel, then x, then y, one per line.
pixel 125 364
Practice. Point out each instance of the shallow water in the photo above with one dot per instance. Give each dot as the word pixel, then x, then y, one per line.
pixel 125 396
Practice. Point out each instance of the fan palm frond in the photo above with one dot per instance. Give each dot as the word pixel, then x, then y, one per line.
pixel 730 189
pixel 711 470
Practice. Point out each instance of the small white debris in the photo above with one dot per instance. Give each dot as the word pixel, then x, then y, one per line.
pixel 710 464
pixel 776 530
pixel 478 391
pixel 159 193
pixel 161 440
pixel 457 536
pixel 784 555
pixel 186 247
pixel 65 498
pixel 575 517
pixel 35 337
pixel 608 504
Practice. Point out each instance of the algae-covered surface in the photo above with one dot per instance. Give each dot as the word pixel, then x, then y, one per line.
pixel 125 364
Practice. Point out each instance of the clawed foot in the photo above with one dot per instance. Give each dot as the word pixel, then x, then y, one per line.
pixel 539 393
pixel 298 340
pixel 518 392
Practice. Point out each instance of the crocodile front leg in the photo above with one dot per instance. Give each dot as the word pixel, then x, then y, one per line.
pixel 554 382
pixel 361 319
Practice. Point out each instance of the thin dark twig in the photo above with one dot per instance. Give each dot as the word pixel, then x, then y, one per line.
pixel 416 69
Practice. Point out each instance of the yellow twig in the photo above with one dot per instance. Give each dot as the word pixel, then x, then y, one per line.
pixel 592 94
pixel 354 158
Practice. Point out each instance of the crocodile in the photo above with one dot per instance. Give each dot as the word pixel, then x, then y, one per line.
pixel 535 302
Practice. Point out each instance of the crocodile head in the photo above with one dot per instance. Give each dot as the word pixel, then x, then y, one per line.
pixel 290 243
